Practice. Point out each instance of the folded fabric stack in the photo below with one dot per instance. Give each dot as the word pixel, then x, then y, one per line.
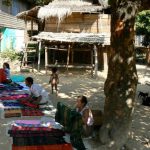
pixel 10 107
pixel 12 86
pixel 13 97
pixel 31 112
pixel 38 135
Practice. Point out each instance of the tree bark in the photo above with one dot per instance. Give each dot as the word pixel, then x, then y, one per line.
pixel 121 82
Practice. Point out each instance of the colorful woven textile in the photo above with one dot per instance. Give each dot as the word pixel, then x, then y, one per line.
pixel 37 140
pixel 27 103
pixel 12 86
pixel 28 123
pixel 12 113
pixel 17 131
pixel 13 97
pixel 44 147
pixel 28 112
pixel 11 104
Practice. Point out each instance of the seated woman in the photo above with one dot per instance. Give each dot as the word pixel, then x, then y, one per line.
pixel 38 95
pixel 86 113
pixel 6 68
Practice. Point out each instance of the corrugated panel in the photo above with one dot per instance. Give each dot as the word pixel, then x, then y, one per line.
pixel 10 21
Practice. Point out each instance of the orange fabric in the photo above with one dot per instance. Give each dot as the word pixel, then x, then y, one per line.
pixel 44 147
pixel 2 75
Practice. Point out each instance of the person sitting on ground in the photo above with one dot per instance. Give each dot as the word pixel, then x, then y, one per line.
pixel 86 113
pixel 54 80
pixel 6 68
pixel 38 95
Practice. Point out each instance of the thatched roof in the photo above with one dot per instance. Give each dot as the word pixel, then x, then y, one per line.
pixel 29 14
pixel 61 9
pixel 90 38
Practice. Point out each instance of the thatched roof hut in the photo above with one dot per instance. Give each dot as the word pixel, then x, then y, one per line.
pixel 62 9
pixel 71 23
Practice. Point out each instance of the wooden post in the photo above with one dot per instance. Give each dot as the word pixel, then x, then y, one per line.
pixel 72 55
pixel 100 58
pixel 91 61
pixel 96 61
pixel 46 59
pixel 25 57
pixel 31 27
pixel 69 47
pixel 26 46
pixel 39 55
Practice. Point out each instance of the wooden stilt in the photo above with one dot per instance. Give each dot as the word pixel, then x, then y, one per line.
pixel 91 61
pixel 68 56
pixel 96 62
pixel 72 55
pixel 31 27
pixel 39 55
pixel 46 59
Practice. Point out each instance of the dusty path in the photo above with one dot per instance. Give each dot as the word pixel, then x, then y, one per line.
pixel 77 83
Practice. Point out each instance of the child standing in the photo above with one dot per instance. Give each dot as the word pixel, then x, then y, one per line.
pixel 54 80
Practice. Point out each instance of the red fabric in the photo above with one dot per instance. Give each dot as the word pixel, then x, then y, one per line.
pixel 14 97
pixel 2 76
pixel 44 147
pixel 32 113
pixel 27 103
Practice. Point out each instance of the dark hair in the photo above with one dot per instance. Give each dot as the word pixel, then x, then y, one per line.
pixel 54 69
pixel 83 99
pixel 7 65
pixel 29 79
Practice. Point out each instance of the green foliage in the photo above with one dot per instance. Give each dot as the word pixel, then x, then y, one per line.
pixel 42 2
pixel 11 54
pixel 143 22
pixel 143 26
pixel 7 2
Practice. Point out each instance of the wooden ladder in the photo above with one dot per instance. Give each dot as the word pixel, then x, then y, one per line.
pixel 29 56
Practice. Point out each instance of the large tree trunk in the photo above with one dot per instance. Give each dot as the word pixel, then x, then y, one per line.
pixel 120 86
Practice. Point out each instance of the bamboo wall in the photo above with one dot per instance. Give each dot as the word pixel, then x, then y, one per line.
pixel 90 23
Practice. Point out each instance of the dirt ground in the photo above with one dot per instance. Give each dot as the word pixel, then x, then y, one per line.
pixel 74 83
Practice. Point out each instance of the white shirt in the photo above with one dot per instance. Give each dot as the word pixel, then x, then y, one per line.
pixel 90 120
pixel 7 72
pixel 36 90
